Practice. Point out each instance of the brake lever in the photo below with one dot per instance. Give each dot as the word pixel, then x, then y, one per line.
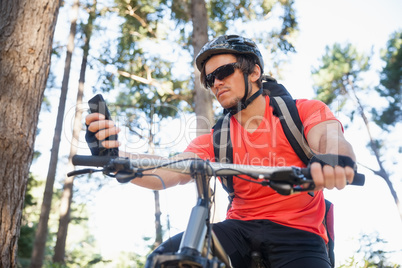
pixel 293 175
pixel 124 177
pixel 282 188
pixel 291 181
pixel 83 171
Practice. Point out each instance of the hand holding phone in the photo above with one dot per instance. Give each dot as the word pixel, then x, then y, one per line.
pixel 98 105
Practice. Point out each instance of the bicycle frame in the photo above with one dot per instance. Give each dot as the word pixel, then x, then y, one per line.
pixel 195 246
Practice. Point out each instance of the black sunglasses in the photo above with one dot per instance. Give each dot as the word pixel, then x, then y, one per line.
pixel 221 73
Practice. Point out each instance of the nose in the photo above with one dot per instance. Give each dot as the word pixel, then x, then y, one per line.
pixel 217 82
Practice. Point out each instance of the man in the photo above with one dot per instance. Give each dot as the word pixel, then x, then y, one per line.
pixel 287 230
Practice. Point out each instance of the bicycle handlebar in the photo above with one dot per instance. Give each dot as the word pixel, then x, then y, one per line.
pixel 271 176
pixel 182 166
pixel 91 160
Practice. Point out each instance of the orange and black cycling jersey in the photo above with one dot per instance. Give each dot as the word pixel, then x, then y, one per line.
pixel 268 146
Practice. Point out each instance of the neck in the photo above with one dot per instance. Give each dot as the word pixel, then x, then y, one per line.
pixel 251 117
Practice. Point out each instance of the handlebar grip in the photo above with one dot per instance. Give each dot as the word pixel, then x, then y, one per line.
pixel 91 160
pixel 359 179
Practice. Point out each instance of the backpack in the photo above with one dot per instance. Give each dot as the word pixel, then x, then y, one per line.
pixel 284 107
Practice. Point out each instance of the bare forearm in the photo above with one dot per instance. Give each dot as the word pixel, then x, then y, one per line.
pixel 327 138
pixel 335 143
pixel 152 179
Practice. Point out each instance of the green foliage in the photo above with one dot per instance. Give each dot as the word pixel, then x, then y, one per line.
pixel 28 224
pixel 25 245
pixel 341 69
pixel 123 260
pixel 30 218
pixel 289 28
pixel 140 69
pixel 223 16
pixel 181 11
pixel 141 17
pixel 391 83
pixel 81 248
pixel 144 77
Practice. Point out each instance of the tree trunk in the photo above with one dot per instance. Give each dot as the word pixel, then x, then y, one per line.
pixel 26 36
pixel 158 213
pixel 202 97
pixel 66 199
pixel 158 224
pixel 42 230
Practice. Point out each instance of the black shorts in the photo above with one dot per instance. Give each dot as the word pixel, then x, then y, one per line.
pixel 280 246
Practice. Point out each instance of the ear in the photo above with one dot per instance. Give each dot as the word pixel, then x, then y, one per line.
pixel 255 75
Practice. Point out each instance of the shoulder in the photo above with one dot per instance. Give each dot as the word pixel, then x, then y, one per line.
pixel 313 112
pixel 202 146
pixel 305 104
pixel 315 108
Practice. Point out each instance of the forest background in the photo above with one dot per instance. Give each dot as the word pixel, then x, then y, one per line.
pixel 113 225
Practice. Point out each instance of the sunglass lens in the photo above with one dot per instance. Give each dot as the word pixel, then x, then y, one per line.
pixel 209 81
pixel 225 71
pixel 220 73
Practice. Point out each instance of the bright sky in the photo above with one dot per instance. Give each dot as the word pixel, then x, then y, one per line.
pixel 125 213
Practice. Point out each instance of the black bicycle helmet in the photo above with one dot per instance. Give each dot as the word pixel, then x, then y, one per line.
pixel 232 44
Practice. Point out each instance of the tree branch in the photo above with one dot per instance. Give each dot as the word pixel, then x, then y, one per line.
pixel 131 11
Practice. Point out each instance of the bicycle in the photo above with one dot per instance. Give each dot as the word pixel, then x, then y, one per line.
pixel 199 246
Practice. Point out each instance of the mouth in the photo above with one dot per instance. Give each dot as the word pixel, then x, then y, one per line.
pixel 220 93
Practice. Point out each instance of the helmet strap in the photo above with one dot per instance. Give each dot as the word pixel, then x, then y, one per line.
pixel 244 101
pixel 246 90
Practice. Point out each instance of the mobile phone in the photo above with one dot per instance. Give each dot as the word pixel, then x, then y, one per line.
pixel 98 105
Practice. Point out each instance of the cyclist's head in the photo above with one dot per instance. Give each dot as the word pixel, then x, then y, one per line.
pixel 247 56
pixel 243 62
pixel 244 49
pixel 229 44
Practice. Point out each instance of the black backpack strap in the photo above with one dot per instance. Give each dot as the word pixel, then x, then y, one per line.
pixel 285 109
pixel 223 150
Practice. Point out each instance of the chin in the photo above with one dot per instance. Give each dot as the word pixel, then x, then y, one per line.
pixel 229 104
pixel 226 106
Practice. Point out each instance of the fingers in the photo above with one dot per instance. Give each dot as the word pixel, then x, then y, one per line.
pixel 96 122
pixel 93 117
pixel 331 177
pixel 103 128
pixel 350 173
pixel 340 177
pixel 106 129
pixel 317 175
pixel 110 144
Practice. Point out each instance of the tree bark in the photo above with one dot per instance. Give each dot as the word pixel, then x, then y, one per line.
pixel 202 97
pixel 26 36
pixel 42 230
